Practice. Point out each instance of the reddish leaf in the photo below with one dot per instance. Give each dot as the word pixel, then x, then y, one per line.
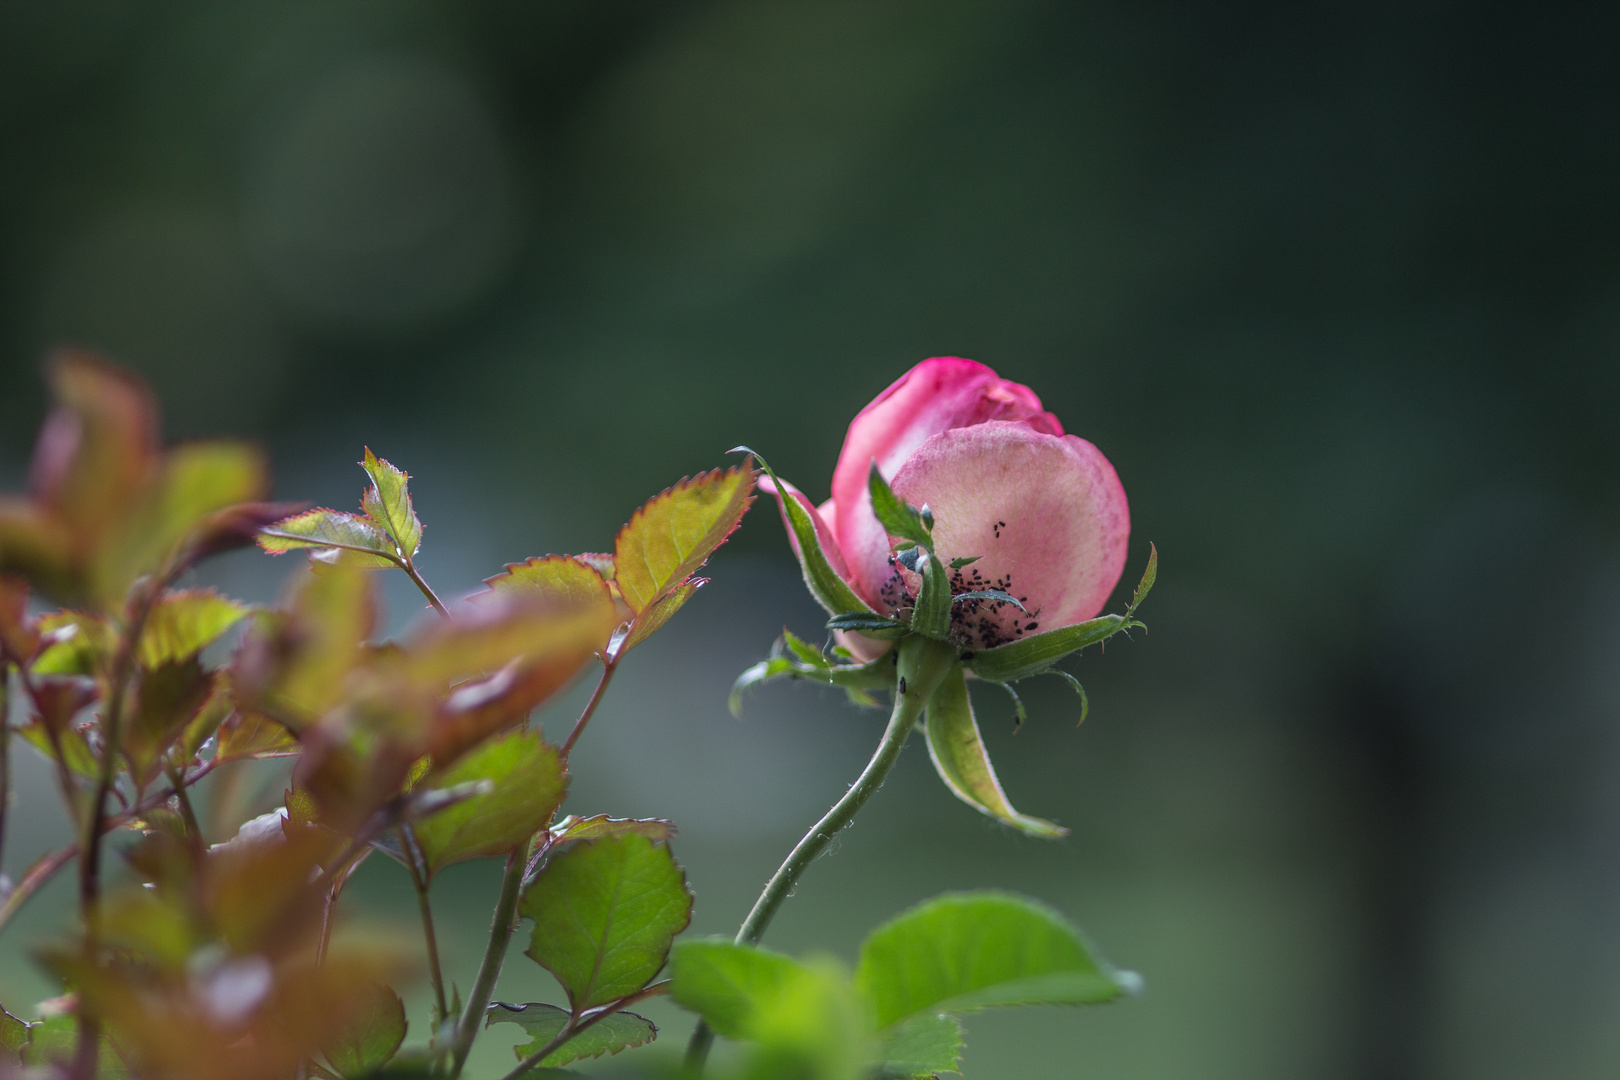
pixel 669 538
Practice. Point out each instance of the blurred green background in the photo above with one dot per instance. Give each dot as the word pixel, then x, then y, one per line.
pixel 1335 287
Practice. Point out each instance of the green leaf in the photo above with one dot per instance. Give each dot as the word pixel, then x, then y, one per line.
pixel 729 985
pixel 185 622
pixel 529 782
pixel 670 537
pixel 76 753
pixel 388 502
pixel 55 1039
pixel 572 829
pixel 1149 576
pixel 614 1032
pixel 932 615
pixel 965 951
pixel 918 1047
pixel 658 613
pixel 371 1038
pixel 813 1030
pixel 604 914
pixel 959 754
pixel 565 579
pixel 335 537
pixel 898 517
pixel 826 585
pixel 169 696
pixel 13 1034
pixel 1033 654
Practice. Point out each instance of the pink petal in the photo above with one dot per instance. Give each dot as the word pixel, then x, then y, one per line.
pixel 1046 513
pixel 937 395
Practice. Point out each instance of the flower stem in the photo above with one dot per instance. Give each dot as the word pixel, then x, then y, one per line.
pixel 922 665
pixel 500 932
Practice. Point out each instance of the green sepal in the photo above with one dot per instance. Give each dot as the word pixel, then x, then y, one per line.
pixel 1085 702
pixel 1034 653
pixel 872 626
pixel 794 658
pixel 959 756
pixel 1149 576
pixel 898 517
pixel 932 615
pixel 831 591
pixel 1019 713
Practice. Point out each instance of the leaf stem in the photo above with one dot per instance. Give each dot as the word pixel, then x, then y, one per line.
pixel 500 933
pixel 421 583
pixel 923 663
pixel 407 841
pixel 608 668
pixel 574 1027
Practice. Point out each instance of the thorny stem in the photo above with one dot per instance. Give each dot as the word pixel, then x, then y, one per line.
pixel 500 932
pixel 608 668
pixel 923 663
pixel 579 1024
pixel 407 841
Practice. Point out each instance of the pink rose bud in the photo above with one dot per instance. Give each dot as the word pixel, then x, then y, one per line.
pixel 1041 512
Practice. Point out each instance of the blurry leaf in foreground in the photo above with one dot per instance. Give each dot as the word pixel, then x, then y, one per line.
pixel 729 984
pixel 528 783
pixel 604 914
pixel 967 951
pixel 184 622
pixel 563 579
pixel 918 1047
pixel 614 1032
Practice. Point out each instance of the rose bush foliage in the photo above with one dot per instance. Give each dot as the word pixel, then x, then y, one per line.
pixel 967 539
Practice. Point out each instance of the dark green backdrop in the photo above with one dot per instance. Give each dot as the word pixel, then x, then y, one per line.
pixel 1336 287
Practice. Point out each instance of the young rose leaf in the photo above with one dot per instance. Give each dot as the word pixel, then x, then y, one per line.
pixel 74 643
pixel 168 696
pixel 604 915
pixel 965 951
pixel 13 1035
pixel 529 782
pixel 371 1037
pixel 206 722
pixel 614 1032
pixel 388 502
pixel 960 757
pixel 898 517
pixel 97 451
pixel 1149 576
pixel 1034 653
pixel 76 755
pixel 825 579
pixel 655 616
pixel 250 735
pixel 333 537
pixel 566 580
pixel 729 985
pixel 296 663
pixel 185 622
pixel 571 829
pixel 669 538
pixel 918 1048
